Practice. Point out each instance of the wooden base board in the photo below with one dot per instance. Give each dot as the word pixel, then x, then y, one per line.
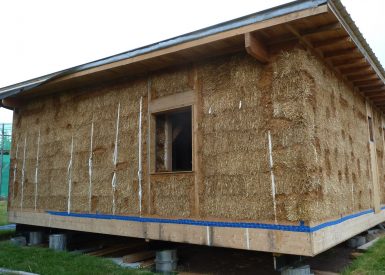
pixel 330 236
pixel 277 241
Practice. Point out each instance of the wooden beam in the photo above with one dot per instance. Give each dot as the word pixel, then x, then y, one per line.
pixel 370 88
pixel 348 63
pixel 375 96
pixel 356 70
pixel 305 33
pixel 374 91
pixel 255 47
pixel 168 144
pixel 322 29
pixel 276 241
pixel 378 98
pixel 174 101
pixel 373 159
pixel 345 52
pixel 309 32
pixel 331 42
pixel 370 76
pixel 302 39
pixel 12 102
pixel 330 236
pixel 138 256
pixel 367 83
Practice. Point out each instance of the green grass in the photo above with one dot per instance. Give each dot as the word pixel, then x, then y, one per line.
pixel 371 262
pixel 6 234
pixel 45 261
pixel 3 213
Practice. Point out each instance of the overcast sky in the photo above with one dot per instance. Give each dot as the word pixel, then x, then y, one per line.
pixel 40 37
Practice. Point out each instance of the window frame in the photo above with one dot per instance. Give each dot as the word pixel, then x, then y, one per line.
pixel 169 104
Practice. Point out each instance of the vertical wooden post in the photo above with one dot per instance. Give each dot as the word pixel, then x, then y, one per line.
pixel 373 159
pixel 168 144
pixel 197 141
pixel 381 180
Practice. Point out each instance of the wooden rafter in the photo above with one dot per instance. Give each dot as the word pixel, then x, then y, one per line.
pixel 309 32
pixel 368 76
pixel 308 44
pixel 332 42
pixel 321 29
pixel 348 63
pixel 339 53
pixel 376 89
pixel 376 96
pixel 357 70
pixel 361 75
pixel 368 83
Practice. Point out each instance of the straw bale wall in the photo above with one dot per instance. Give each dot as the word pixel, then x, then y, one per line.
pixel 317 127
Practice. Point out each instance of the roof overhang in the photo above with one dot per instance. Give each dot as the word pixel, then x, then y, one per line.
pixel 323 26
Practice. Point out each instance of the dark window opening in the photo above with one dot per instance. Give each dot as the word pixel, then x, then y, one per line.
pixel 173 141
pixel 371 135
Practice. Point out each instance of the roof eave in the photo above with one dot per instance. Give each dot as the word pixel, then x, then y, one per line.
pixel 15 90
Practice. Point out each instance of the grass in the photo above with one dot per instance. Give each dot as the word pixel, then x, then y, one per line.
pixel 371 262
pixel 46 261
pixel 6 234
pixel 3 213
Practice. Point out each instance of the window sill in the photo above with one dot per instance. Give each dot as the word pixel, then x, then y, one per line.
pixel 171 172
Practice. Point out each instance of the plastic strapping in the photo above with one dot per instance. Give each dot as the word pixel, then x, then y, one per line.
pixel 90 167
pixel 69 174
pixel 140 155
pixel 247 238
pixel 23 174
pixel 208 237
pixel 115 160
pixel 272 176
pixel 37 168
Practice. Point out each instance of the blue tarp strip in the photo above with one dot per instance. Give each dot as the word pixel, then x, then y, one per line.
pixel 294 228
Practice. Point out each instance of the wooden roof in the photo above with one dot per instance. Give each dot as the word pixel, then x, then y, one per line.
pixel 326 29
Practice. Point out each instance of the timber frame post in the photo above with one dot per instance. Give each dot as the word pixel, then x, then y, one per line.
pixel 373 159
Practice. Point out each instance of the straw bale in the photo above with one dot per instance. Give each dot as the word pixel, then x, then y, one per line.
pixel 173 194
pixel 171 81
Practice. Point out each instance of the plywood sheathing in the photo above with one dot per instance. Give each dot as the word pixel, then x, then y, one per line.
pixel 318 131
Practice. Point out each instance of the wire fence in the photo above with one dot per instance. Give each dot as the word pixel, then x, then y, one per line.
pixel 5 154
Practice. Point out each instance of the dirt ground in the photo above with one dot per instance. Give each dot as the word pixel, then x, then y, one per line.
pixel 210 260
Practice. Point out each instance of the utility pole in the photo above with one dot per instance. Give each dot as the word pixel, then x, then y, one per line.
pixel 1 157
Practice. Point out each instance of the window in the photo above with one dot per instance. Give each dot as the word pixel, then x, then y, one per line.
pixel 173 140
pixel 371 134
